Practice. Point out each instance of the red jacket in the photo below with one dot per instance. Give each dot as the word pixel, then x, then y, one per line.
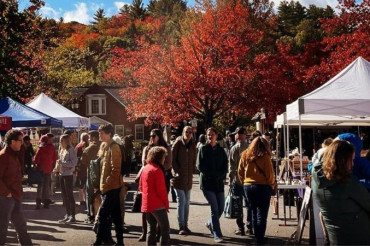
pixel 45 158
pixel 10 173
pixel 153 188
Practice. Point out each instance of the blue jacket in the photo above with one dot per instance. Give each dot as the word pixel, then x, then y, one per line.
pixel 361 166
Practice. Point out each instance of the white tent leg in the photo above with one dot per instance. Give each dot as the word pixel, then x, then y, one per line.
pixel 300 146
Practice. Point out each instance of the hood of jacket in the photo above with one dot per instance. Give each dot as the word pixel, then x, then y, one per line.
pixel 354 140
pixel 321 180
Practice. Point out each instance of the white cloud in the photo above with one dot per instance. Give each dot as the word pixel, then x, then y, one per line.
pixel 306 3
pixel 80 14
pixel 49 12
pixel 95 6
pixel 119 5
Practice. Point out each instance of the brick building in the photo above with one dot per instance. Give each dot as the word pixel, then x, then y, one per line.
pixel 103 104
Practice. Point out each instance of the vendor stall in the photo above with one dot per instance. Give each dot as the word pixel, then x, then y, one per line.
pixel 48 106
pixel 24 116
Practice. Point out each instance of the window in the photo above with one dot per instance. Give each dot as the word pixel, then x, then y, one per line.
pixel 120 130
pixel 96 104
pixel 139 132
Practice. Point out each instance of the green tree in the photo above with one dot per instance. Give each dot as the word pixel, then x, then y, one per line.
pixel 21 49
pixel 137 10
pixel 289 16
pixel 67 67
pixel 98 16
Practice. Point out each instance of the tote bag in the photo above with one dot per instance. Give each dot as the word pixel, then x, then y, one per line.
pixel 233 205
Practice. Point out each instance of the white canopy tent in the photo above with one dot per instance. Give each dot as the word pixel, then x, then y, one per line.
pixel 343 100
pixel 48 106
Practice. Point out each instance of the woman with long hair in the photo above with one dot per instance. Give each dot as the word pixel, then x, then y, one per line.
pixel 157 140
pixel 256 173
pixel 344 202
pixel 67 161
pixel 213 166
pixel 154 194
pixel 184 159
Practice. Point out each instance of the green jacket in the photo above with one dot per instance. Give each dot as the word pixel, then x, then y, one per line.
pixel 345 208
pixel 213 167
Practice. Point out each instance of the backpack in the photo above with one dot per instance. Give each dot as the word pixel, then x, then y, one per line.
pixel 95 171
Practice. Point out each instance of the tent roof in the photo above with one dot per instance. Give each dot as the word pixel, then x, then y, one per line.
pixel 24 116
pixel 45 104
pixel 322 120
pixel 347 95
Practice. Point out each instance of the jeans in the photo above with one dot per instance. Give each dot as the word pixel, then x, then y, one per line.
pixel 258 196
pixel 43 190
pixel 217 202
pixel 110 211
pixel 158 216
pixel 11 210
pixel 183 203
pixel 239 191
pixel 66 184
pixel 89 199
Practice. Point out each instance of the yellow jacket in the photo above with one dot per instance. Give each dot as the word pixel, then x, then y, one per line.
pixel 249 174
pixel 111 177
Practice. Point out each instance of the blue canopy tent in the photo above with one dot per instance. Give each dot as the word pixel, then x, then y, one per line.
pixel 24 116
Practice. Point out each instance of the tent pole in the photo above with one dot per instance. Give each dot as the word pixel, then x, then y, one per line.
pixel 300 146
pixel 284 139
pixel 287 139
pixel 277 151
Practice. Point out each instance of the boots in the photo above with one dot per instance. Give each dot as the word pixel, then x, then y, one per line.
pixel 38 203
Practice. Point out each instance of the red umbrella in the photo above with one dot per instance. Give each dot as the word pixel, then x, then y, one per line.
pixel 5 123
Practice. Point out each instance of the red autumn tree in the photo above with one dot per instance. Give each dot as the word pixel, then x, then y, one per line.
pixel 204 77
pixel 347 37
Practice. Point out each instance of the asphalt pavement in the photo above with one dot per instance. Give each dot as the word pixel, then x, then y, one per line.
pixel 44 228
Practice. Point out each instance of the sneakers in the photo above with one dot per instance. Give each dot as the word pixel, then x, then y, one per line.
pixel 219 240
pixel 183 231
pixel 240 232
pixel 71 219
pixel 66 217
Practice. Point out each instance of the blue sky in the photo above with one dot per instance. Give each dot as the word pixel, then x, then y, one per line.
pixel 83 10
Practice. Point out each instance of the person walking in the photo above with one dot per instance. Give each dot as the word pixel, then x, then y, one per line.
pixel 156 139
pixel 67 161
pixel 110 186
pixel 212 165
pixel 81 170
pixel 89 154
pixel 45 159
pixel 11 189
pixel 344 202
pixel 29 153
pixel 154 196
pixel 234 182
pixel 183 165
pixel 256 172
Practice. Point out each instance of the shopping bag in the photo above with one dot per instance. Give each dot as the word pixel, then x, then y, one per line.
pixel 136 206
pixel 35 176
pixel 233 205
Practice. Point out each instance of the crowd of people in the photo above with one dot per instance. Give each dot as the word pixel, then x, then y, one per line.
pixel 97 166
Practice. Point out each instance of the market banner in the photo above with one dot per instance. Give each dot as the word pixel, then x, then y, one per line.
pixel 5 123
